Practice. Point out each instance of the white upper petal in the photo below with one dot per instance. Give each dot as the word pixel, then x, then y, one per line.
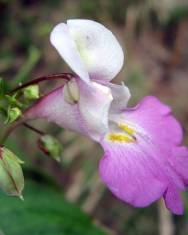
pixel 121 96
pixel 94 107
pixel 62 40
pixel 86 44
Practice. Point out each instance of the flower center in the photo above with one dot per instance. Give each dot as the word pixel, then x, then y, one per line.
pixel 125 134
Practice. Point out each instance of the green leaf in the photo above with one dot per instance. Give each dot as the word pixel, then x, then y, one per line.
pixel 44 211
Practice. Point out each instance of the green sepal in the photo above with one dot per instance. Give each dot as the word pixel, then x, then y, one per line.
pixel 31 92
pixel 11 175
pixel 13 101
pixel 51 146
pixel 13 113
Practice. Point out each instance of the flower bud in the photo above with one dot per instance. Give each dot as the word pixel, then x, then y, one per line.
pixel 11 175
pixel 13 114
pixel 51 146
pixel 71 92
pixel 31 92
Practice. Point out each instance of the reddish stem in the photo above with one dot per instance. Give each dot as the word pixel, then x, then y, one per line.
pixel 64 76
pixel 39 132
pixel 14 126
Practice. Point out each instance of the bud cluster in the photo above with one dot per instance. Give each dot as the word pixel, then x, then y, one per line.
pixel 11 105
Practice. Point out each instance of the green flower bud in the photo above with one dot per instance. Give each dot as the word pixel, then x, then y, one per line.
pixel 11 175
pixel 12 101
pixel 31 92
pixel 71 92
pixel 13 114
pixel 51 146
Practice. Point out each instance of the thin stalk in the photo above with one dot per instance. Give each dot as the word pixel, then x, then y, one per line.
pixel 9 131
pixel 39 132
pixel 64 76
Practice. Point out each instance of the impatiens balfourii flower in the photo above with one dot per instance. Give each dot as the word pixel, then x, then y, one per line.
pixel 143 159
pixel 83 103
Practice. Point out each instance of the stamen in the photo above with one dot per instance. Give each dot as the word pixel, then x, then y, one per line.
pixel 127 136
pixel 126 129
pixel 114 137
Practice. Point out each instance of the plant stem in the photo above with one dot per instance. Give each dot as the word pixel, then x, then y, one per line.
pixel 64 76
pixel 10 130
pixel 39 132
pixel 14 126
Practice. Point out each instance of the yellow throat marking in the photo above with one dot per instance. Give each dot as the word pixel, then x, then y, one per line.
pixel 126 129
pixel 126 137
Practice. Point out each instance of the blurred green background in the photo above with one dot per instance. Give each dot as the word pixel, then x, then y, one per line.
pixel 69 198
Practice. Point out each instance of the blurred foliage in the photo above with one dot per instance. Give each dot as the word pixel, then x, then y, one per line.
pixel 90 9
pixel 33 58
pixel 44 211
pixel 177 14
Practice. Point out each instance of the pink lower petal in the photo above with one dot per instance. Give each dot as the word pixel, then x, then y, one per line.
pixel 154 165
pixel 173 200
pixel 131 177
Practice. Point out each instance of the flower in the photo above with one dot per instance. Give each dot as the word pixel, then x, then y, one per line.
pixel 82 105
pixel 143 159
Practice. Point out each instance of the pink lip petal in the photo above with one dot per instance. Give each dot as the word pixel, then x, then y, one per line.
pixel 154 165
pixel 173 200
pixel 128 175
